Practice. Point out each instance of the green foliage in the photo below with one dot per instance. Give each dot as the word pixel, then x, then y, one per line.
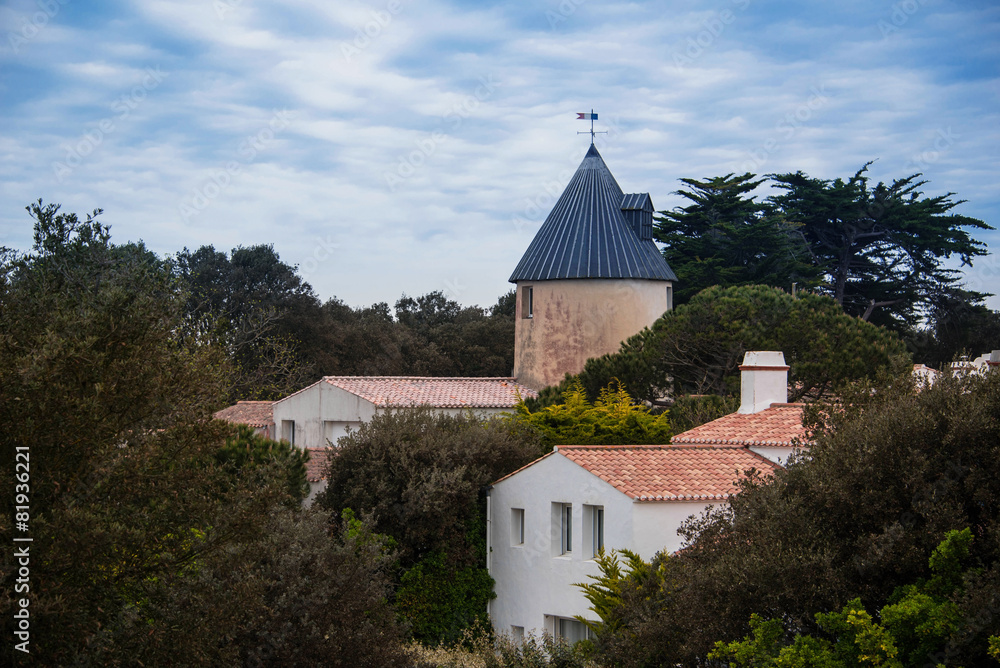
pixel 891 472
pixel 502 651
pixel 442 602
pixel 698 347
pixel 690 411
pixel 245 452
pixel 605 593
pixel 429 336
pixel 611 420
pixel 145 546
pixel 725 238
pixel 258 309
pixel 881 248
pixel 913 630
pixel 421 476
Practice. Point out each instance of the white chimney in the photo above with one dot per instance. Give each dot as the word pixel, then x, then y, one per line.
pixel 764 380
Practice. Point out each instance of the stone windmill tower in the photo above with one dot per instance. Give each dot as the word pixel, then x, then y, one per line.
pixel 591 277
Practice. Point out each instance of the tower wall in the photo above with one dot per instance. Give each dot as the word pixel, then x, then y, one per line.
pixel 573 320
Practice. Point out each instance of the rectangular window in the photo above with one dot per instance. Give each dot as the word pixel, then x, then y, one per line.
pixel 527 302
pixel 567 528
pixel 670 298
pixel 593 530
pixel 571 630
pixel 517 526
pixel 517 632
pixel 288 431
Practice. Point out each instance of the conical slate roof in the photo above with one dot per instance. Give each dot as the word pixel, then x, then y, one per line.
pixel 586 235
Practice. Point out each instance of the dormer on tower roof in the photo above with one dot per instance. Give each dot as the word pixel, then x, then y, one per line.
pixel 595 231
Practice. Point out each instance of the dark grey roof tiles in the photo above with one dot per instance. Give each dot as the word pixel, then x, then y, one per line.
pixel 586 235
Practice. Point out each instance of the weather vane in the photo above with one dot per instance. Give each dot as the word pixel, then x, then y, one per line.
pixel 584 116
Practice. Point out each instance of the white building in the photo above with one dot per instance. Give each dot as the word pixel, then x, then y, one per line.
pixel 318 415
pixel 546 521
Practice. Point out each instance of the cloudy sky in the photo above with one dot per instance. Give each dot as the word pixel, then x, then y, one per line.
pixel 397 146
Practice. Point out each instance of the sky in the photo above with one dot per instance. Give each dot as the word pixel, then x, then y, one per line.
pixel 408 146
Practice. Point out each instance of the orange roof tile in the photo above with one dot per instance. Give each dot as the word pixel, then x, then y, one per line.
pixel 404 391
pixel 316 466
pixel 252 413
pixel 777 425
pixel 668 473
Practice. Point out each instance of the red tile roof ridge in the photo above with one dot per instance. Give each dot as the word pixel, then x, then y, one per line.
pixel 528 465
pixel 663 472
pixel 654 446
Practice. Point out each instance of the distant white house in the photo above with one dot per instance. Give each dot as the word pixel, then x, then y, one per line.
pixel 318 415
pixel 547 520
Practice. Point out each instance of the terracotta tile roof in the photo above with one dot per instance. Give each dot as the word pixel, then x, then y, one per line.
pixel 316 466
pixel 777 425
pixel 404 391
pixel 668 473
pixel 252 413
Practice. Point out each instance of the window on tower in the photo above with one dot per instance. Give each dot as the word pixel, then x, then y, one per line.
pixel 527 302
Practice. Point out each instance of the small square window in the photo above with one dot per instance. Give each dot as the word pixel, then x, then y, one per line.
pixel 517 526
pixel 517 632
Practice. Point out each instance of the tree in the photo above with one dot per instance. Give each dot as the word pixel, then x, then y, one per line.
pixel 958 324
pixel 891 472
pixel 258 309
pixel 247 453
pixel 881 249
pixel 697 348
pixel 144 534
pixel 611 420
pixel 422 477
pixel 913 631
pixel 725 237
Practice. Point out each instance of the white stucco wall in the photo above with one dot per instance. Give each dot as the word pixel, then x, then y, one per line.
pixel 316 404
pixel 655 524
pixel 534 583
pixel 776 453
pixel 324 412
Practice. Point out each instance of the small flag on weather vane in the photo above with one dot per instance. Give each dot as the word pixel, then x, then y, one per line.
pixel 589 116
